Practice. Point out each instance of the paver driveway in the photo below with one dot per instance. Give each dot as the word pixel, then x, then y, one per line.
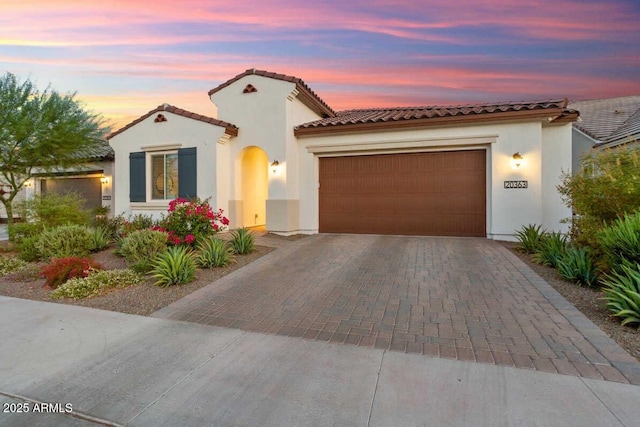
pixel 462 298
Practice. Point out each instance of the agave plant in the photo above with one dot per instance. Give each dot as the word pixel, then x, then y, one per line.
pixel 529 238
pixel 576 265
pixel 242 241
pixel 101 238
pixel 622 293
pixel 174 267
pixel 214 252
pixel 551 248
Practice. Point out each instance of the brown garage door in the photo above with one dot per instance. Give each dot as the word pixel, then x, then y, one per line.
pixel 430 194
pixel 89 189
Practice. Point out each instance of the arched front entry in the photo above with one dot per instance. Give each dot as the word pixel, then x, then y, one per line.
pixel 254 166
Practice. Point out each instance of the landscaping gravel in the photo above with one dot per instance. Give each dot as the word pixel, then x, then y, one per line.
pixel 142 299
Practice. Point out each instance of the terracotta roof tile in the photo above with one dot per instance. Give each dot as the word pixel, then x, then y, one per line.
pixel 230 129
pixel 310 98
pixel 353 118
pixel 609 120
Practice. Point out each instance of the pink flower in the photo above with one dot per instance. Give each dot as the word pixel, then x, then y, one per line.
pixel 225 220
pixel 190 239
pixel 215 227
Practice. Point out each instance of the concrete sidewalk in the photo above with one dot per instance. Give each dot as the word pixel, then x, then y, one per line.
pixel 4 232
pixel 119 369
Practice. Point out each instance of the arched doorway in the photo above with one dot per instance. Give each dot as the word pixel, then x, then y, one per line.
pixel 255 186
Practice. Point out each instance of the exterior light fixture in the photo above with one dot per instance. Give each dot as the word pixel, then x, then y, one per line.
pixel 275 167
pixel 28 183
pixel 104 180
pixel 517 160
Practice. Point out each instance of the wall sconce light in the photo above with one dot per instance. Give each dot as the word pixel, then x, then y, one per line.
pixel 275 167
pixel 28 183
pixel 517 160
pixel 104 180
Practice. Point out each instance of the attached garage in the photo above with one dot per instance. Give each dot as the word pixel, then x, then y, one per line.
pixel 431 193
pixel 88 188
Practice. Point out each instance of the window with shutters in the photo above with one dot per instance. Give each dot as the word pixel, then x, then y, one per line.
pixel 164 176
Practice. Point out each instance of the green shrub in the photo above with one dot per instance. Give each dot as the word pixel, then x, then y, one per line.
pixel 101 238
pixel 622 293
pixel 140 248
pixel 62 269
pixel 214 252
pixel 551 248
pixel 96 283
pixel 529 238
pixel 576 265
pixel 52 209
pixel 621 240
pixel 174 267
pixel 21 230
pixel 242 241
pixel 606 188
pixel 28 249
pixel 65 241
pixel 10 264
pixel 135 223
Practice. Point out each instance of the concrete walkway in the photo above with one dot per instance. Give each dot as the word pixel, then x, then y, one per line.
pixel 119 369
pixel 465 299
pixel 4 232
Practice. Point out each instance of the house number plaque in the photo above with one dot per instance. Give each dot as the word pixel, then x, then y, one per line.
pixel 516 184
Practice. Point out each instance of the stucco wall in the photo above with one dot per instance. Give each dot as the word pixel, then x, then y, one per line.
pixel 266 119
pixel 556 161
pixel 581 146
pixel 176 132
pixel 507 209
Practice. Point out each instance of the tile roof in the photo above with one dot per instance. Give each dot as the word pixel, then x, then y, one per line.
pixel 230 129
pixel 100 151
pixel 609 120
pixel 308 96
pixel 350 120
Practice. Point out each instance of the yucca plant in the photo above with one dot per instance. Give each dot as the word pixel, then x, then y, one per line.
pixel 576 265
pixel 242 241
pixel 622 293
pixel 551 248
pixel 174 267
pixel 214 252
pixel 529 238
pixel 621 240
pixel 101 238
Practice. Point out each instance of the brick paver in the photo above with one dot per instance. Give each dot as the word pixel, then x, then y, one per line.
pixel 462 298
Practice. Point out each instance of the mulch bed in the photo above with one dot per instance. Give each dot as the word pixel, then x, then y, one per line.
pixel 142 299
pixel 589 301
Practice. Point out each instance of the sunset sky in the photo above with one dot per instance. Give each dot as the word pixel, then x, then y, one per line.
pixel 125 57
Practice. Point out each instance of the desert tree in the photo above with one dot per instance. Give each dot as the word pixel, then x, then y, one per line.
pixel 40 131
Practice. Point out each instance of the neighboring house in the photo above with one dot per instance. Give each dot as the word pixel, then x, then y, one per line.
pixel 91 180
pixel 605 123
pixel 279 156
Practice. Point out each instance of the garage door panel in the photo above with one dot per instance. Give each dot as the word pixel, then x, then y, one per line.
pixel 440 193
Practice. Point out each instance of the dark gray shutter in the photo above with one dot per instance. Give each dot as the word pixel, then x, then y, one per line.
pixel 137 180
pixel 187 173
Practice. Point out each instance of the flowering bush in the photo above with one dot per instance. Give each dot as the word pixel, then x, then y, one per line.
pixel 190 221
pixel 62 269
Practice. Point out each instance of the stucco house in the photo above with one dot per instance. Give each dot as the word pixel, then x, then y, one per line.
pixel 605 123
pixel 278 155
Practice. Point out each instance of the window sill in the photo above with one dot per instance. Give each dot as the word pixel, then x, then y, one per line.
pixel 150 206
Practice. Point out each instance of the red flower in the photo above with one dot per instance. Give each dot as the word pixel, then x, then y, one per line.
pixel 190 239
pixel 215 227
pixel 225 220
